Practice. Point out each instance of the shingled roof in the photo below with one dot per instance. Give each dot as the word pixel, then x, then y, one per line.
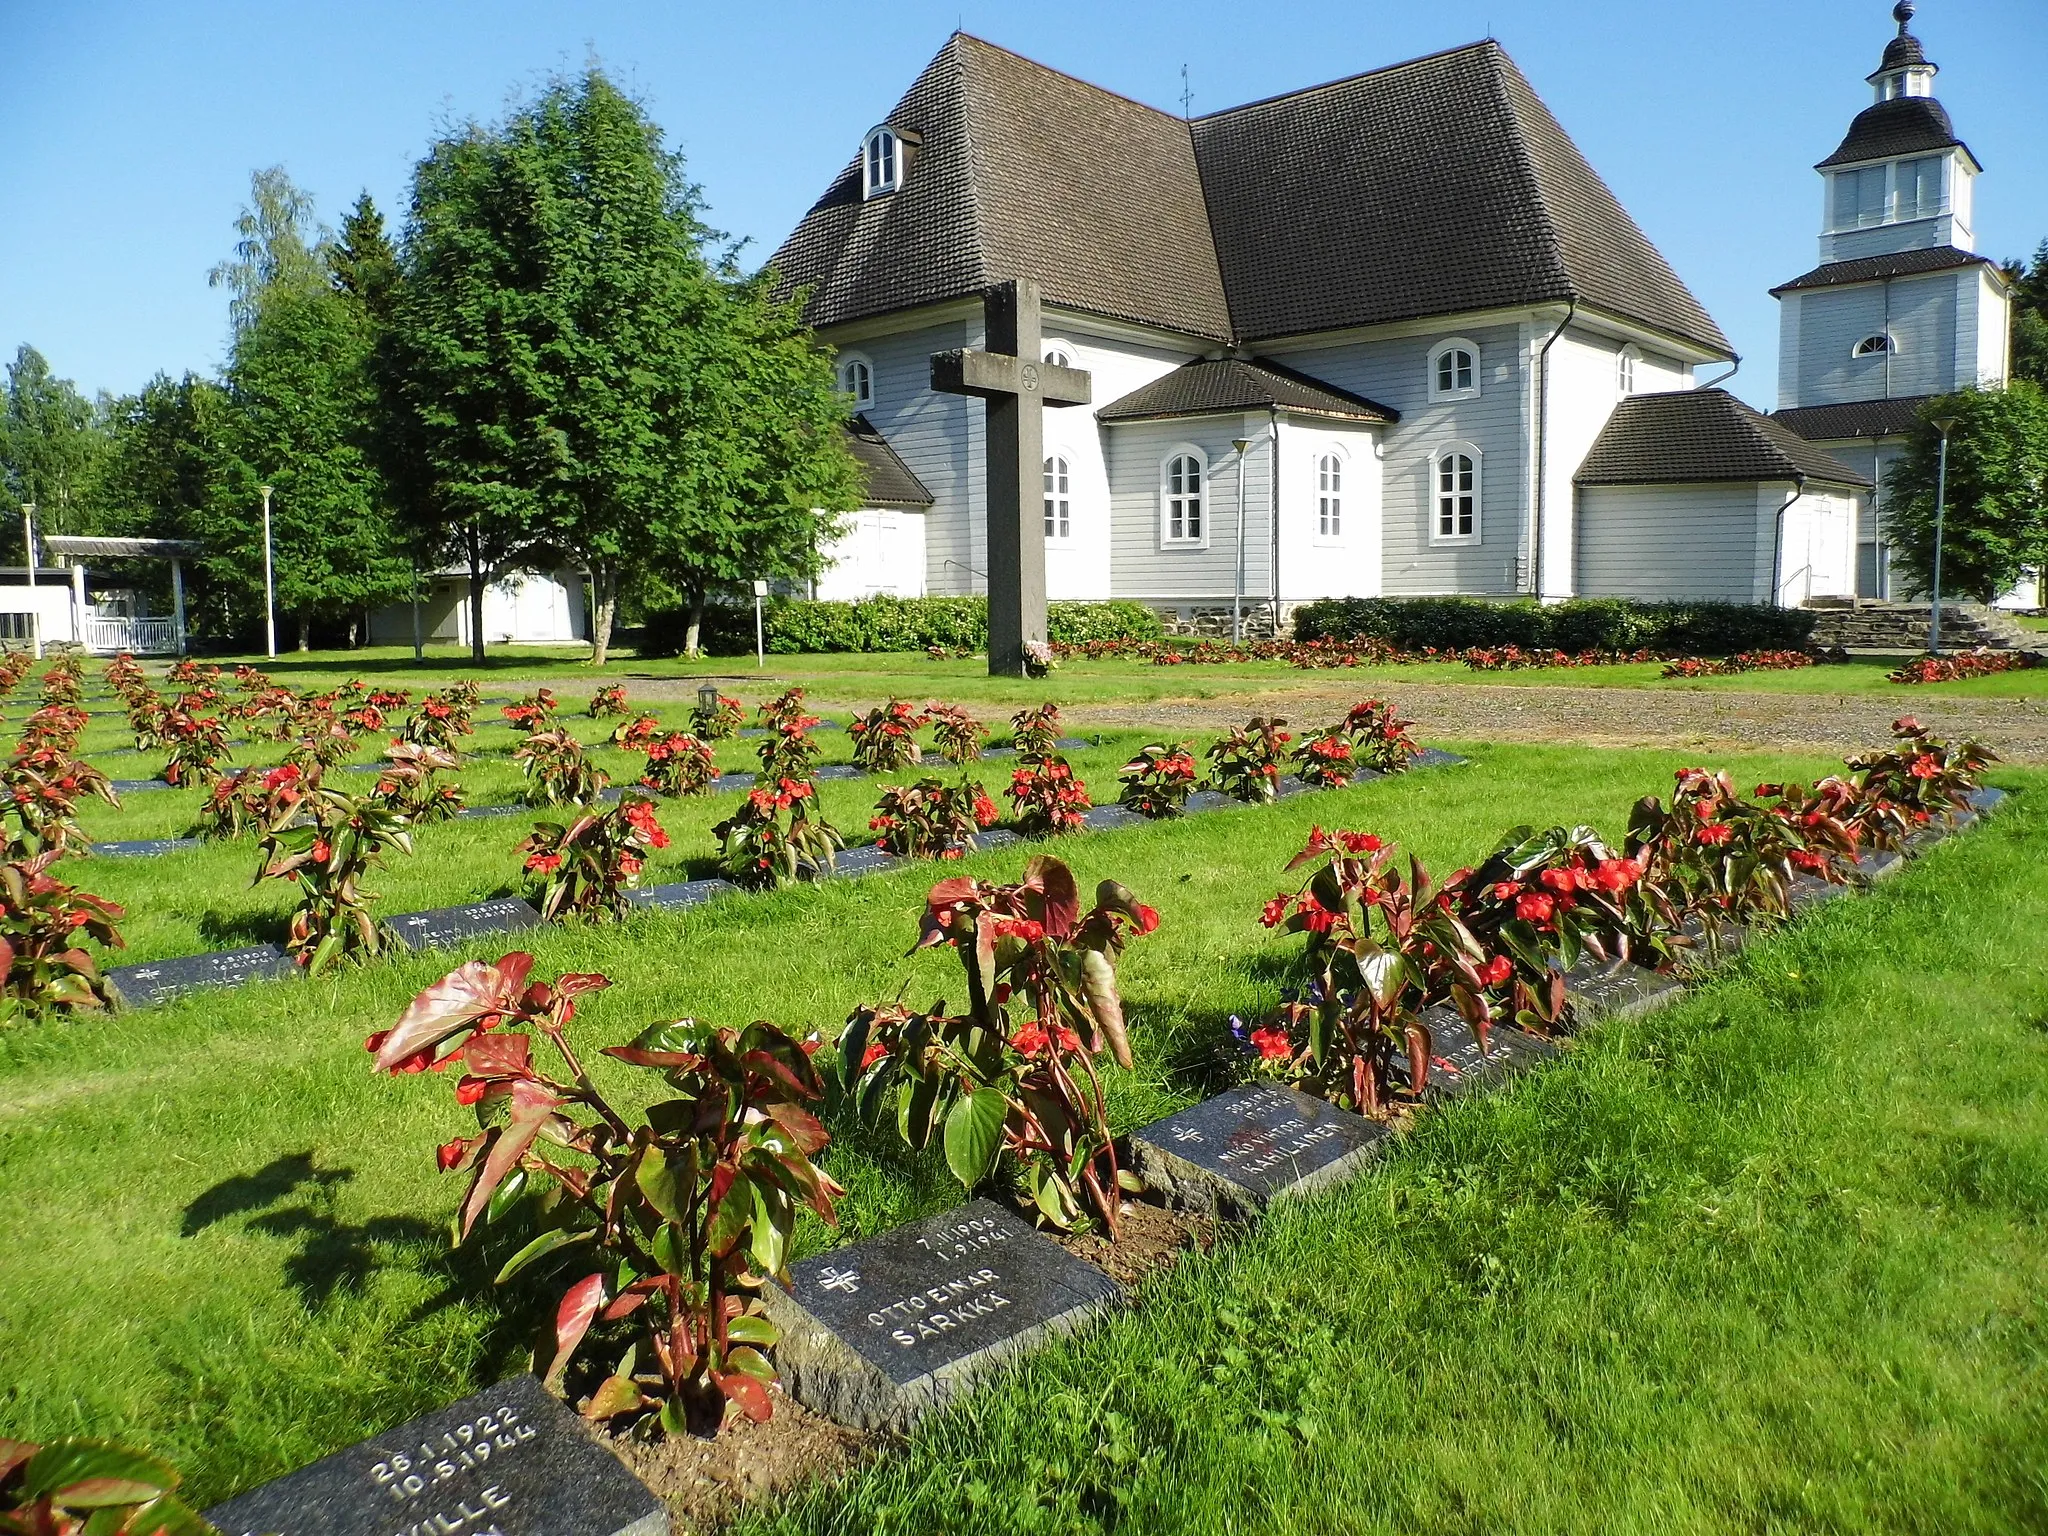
pixel 1905 125
pixel 1208 387
pixel 1861 418
pixel 1871 269
pixel 1697 435
pixel 889 481
pixel 1439 186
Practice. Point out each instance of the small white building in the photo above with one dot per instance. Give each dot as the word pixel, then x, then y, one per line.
pixel 61 605
pixel 879 551
pixel 537 607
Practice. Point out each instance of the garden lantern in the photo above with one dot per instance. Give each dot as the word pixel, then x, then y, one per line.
pixel 707 699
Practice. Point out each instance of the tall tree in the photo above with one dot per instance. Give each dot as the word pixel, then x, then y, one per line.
pixel 565 337
pixel 301 408
pixel 280 247
pixel 1995 518
pixel 2030 316
pixel 161 443
pixel 50 443
pixel 760 464
pixel 362 262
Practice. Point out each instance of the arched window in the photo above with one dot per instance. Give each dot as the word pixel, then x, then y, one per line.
pixel 881 160
pixel 1876 346
pixel 1059 503
pixel 1625 370
pixel 1180 498
pixel 1456 475
pixel 1330 496
pixel 1454 370
pixel 1059 354
pixel 857 378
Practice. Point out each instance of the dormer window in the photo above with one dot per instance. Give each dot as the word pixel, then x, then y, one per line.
pixel 882 160
pixel 857 378
pixel 1878 345
pixel 1454 370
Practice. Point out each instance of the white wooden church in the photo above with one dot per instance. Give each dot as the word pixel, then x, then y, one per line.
pixel 1389 335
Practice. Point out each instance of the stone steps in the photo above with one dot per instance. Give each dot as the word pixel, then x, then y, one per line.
pixel 1903 627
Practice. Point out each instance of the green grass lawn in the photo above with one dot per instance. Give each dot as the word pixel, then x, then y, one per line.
pixel 861 679
pixel 226 1239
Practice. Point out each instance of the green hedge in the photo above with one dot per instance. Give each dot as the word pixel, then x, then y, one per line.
pixel 797 626
pixel 1586 624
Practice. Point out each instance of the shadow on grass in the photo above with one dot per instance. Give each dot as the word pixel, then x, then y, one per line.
pixel 239 930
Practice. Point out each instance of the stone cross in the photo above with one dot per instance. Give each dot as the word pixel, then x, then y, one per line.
pixel 1014 384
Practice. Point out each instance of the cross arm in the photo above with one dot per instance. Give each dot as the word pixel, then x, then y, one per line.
pixel 992 375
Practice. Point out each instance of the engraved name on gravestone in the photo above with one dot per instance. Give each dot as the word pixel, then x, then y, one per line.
pixel 145 848
pixel 879 1333
pixel 1606 989
pixel 509 1461
pixel 852 863
pixel 1456 1063
pixel 442 926
pixel 682 893
pixel 158 981
pixel 1233 1155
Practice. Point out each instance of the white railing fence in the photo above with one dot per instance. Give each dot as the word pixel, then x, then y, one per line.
pixel 145 637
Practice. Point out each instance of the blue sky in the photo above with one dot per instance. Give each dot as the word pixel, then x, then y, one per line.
pixel 129 129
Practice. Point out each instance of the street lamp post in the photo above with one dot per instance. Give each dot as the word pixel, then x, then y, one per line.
pixel 1241 445
pixel 28 544
pixel 269 583
pixel 1944 425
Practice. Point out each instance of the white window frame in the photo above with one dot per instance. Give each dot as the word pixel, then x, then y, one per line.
pixel 1060 354
pixel 1059 496
pixel 1628 363
pixel 1331 464
pixel 1889 349
pixel 863 399
pixel 881 161
pixel 1436 493
pixel 1456 391
pixel 1168 496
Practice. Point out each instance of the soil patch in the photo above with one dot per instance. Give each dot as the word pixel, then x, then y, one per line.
pixel 1153 1241
pixel 705 1483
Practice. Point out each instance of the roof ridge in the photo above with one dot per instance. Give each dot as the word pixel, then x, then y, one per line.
pixel 969 99
pixel 1482 46
pixel 1519 143
pixel 1025 58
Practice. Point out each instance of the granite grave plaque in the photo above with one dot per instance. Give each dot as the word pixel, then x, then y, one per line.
pixel 158 981
pixel 682 893
pixel 145 847
pixel 442 926
pixel 135 786
pixel 879 1333
pixel 1111 818
pixel 1436 757
pixel 1457 1065
pixel 1063 744
pixel 1875 866
pixel 1291 785
pixel 853 863
pixel 996 837
pixel 480 812
pixel 1984 799
pixel 511 1461
pixel 1209 800
pixel 1602 989
pixel 1233 1155
pixel 1810 891
pixel 838 771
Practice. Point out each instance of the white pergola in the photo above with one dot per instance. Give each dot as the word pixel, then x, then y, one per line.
pixel 114 635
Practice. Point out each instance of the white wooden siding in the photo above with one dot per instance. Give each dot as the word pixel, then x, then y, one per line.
pixel 1351 564
pixel 1395 373
pixel 1141 566
pixel 1657 542
pixel 1921 314
pixel 879 550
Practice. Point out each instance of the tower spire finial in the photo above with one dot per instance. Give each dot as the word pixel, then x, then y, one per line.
pixel 1902 13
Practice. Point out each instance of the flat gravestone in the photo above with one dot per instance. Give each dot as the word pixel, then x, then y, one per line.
pixel 443 926
pixel 145 847
pixel 838 771
pixel 1210 800
pixel 479 812
pixel 1984 799
pixel 1600 989
pixel 1873 867
pixel 1712 942
pixel 880 1333
pixel 1810 891
pixel 1109 818
pixel 854 863
pixel 682 893
pixel 1233 1155
pixel 509 1461
pixel 729 783
pixel 135 786
pixel 1290 785
pixel 1433 757
pixel 996 837
pixel 158 981
pixel 1456 1063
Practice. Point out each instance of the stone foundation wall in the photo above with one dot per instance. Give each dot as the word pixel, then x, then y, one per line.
pixel 1210 621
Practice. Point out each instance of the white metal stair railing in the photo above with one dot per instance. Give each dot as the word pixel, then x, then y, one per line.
pixel 147 637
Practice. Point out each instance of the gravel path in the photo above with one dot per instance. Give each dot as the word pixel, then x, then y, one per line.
pixel 2017 729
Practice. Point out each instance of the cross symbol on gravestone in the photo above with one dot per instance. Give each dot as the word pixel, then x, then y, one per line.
pixel 1015 386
